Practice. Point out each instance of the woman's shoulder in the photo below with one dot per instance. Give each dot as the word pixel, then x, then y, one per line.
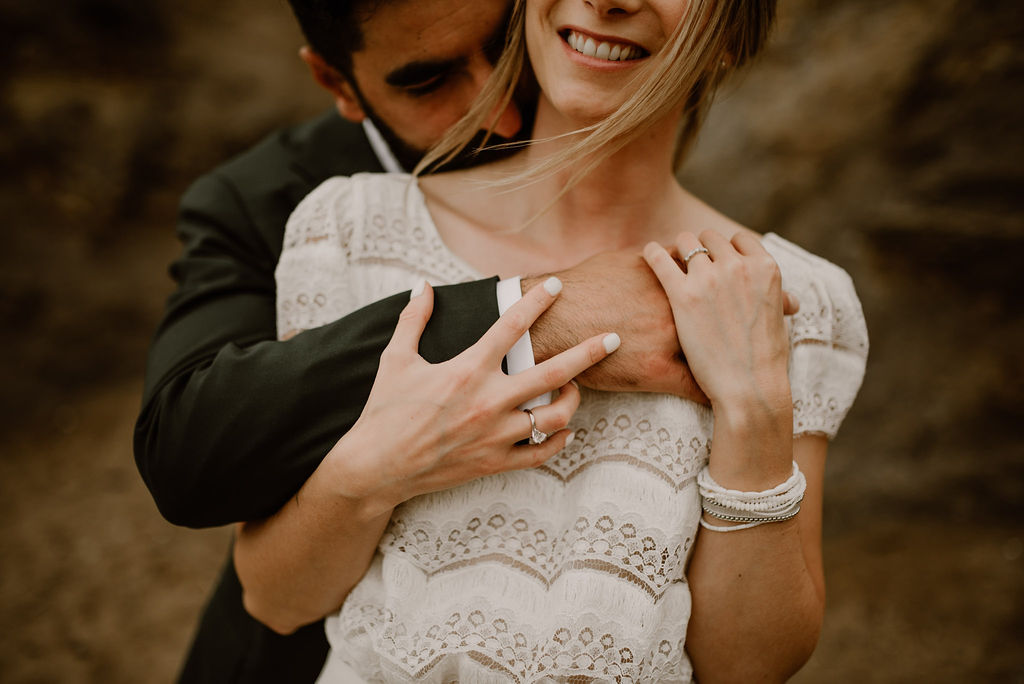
pixel 830 310
pixel 828 337
pixel 341 203
pixel 792 254
pixel 373 188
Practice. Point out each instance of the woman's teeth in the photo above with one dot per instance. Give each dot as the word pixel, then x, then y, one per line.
pixel 612 52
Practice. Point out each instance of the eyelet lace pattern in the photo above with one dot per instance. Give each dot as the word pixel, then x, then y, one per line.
pixel 569 572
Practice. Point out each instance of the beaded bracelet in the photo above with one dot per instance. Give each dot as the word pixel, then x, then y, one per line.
pixel 779 503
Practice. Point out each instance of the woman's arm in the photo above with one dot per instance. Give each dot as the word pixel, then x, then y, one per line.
pixel 758 593
pixel 215 371
pixel 426 427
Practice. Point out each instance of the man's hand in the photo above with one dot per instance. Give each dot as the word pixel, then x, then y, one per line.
pixel 618 291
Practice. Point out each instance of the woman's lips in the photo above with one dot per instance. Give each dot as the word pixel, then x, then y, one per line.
pixel 597 48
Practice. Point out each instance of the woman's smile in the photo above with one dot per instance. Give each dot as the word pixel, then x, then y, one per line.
pixel 583 52
pixel 603 49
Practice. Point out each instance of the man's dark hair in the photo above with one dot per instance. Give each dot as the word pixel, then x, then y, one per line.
pixel 333 28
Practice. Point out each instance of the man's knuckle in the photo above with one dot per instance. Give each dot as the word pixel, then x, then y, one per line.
pixel 656 365
pixel 667 334
pixel 616 370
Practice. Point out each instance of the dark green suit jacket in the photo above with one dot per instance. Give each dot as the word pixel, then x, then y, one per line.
pixel 232 421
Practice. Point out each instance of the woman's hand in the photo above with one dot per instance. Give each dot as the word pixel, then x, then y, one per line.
pixel 428 427
pixel 425 427
pixel 728 309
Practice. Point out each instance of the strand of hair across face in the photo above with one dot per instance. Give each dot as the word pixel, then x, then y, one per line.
pixel 658 90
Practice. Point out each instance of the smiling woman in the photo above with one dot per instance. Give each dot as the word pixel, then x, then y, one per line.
pixel 698 44
pixel 662 539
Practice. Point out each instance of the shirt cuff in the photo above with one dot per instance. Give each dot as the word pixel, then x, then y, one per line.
pixel 520 357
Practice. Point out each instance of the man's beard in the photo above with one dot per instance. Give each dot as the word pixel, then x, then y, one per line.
pixel 471 155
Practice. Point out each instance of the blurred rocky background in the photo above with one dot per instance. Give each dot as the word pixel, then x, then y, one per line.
pixel 885 136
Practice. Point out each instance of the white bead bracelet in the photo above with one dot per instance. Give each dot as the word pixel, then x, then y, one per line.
pixel 779 503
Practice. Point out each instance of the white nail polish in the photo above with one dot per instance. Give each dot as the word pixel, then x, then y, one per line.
pixel 553 286
pixel 417 289
pixel 569 440
pixel 611 342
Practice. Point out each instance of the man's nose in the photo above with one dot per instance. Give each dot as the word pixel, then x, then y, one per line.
pixel 504 121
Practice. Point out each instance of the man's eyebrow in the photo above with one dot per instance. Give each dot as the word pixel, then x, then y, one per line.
pixel 417 72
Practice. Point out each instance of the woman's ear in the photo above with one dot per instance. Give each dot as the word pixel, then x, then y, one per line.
pixel 332 80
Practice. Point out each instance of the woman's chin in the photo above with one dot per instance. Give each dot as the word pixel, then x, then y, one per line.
pixel 580 112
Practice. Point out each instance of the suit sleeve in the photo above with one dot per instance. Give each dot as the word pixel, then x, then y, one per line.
pixel 232 421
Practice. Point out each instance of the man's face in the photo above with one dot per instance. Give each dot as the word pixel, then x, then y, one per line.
pixel 422 64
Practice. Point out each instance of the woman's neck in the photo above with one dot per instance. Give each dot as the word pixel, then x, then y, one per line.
pixel 625 200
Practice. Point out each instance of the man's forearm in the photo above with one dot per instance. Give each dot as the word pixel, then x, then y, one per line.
pixel 616 292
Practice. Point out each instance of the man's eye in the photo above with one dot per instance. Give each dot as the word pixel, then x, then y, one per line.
pixel 426 87
pixel 494 47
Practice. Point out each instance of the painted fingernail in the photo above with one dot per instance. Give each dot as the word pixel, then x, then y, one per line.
pixel 570 439
pixel 611 342
pixel 417 289
pixel 553 286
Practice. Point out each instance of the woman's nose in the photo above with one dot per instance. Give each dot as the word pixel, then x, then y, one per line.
pixel 612 7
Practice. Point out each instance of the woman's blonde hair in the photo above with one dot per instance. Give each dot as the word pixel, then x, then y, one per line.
pixel 714 38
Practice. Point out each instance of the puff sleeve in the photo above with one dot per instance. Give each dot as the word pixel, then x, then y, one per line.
pixel 828 339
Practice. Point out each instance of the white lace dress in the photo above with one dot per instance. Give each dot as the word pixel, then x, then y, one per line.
pixel 571 571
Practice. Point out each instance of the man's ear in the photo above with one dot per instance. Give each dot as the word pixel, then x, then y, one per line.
pixel 331 80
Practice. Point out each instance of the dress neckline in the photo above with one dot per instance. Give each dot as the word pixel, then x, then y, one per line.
pixel 427 219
